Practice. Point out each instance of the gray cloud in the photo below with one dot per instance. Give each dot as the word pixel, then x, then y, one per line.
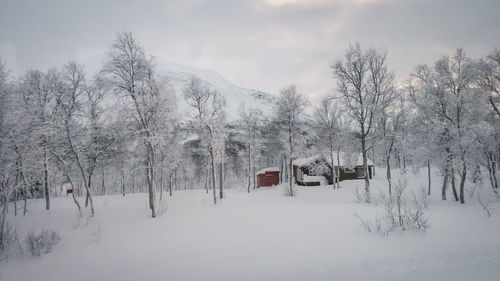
pixel 252 43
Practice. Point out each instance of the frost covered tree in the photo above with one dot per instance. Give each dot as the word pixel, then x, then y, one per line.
pixel 67 87
pixel 451 101
pixel 362 78
pixel 6 184
pixel 489 81
pixel 289 117
pixel 209 119
pixel 422 133
pixel 132 74
pixel 39 98
pixel 250 120
pixel 388 127
pixel 329 132
pixel 22 139
pixel 84 138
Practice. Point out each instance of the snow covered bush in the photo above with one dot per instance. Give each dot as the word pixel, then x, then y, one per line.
pixel 9 242
pixel 360 196
pixel 485 204
pixel 97 232
pixel 400 213
pixel 404 215
pixel 42 242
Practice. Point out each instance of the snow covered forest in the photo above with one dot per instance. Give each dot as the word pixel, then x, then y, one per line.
pixel 147 171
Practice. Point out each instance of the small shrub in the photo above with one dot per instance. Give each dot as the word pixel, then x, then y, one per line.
pixel 42 242
pixel 485 204
pixel 361 196
pixel 97 232
pixel 9 242
pixel 364 223
pixel 400 213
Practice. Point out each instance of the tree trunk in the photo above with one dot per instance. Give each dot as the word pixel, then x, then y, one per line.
pixel 290 176
pixel 249 167
pixel 15 201
pixel 123 179
pixel 2 224
pixel 365 167
pixel 46 177
pixel 445 186
pixel 282 168
pixel 102 174
pixel 73 195
pixel 170 184
pixel 389 179
pixel 213 174
pixel 254 177
pixel 463 176
pixel 176 177
pixel 161 185
pixel 338 165
pixel 373 156
pixel 80 188
pixel 206 181
pixel 87 199
pixel 453 186
pixel 493 172
pixel 290 161
pixel 25 192
pixel 3 220
pixel 150 179
pixel 133 182
pixel 332 166
pixel 429 177
pixel 68 177
pixel 221 180
pixel 89 180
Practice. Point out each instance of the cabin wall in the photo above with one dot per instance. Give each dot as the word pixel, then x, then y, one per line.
pixel 343 173
pixel 268 179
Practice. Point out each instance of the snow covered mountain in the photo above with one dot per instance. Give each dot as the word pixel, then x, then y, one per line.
pixel 235 96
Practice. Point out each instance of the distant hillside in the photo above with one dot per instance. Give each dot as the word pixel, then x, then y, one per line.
pixel 234 95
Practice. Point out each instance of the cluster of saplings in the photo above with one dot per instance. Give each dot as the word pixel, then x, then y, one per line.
pixel 119 130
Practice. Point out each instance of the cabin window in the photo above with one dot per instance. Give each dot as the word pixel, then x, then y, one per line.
pixel 361 172
pixel 349 171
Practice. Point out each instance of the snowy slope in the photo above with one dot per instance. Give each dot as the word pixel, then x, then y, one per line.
pixel 180 75
pixel 259 236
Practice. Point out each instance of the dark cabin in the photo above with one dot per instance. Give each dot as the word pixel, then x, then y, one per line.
pixel 313 170
pixel 268 177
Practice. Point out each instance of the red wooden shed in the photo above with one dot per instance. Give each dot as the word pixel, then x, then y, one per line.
pixel 268 177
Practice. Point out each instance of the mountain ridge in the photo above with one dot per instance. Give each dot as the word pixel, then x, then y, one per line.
pixel 179 75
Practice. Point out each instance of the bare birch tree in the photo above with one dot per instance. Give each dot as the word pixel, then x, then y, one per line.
pixel 289 115
pixel 250 122
pixel 329 131
pixel 131 73
pixel 362 78
pixel 209 119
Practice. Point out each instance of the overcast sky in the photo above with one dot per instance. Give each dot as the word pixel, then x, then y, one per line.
pixel 260 44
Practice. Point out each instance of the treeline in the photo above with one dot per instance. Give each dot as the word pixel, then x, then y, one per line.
pixel 119 130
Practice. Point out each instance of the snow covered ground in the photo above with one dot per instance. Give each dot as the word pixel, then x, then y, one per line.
pixel 259 236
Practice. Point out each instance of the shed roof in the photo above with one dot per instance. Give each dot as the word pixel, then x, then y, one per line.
pixel 346 159
pixel 269 169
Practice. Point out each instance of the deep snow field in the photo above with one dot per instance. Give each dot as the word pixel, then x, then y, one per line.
pixel 260 236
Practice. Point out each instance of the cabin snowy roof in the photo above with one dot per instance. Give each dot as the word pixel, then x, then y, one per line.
pixel 310 179
pixel 189 138
pixel 306 161
pixel 270 169
pixel 346 159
